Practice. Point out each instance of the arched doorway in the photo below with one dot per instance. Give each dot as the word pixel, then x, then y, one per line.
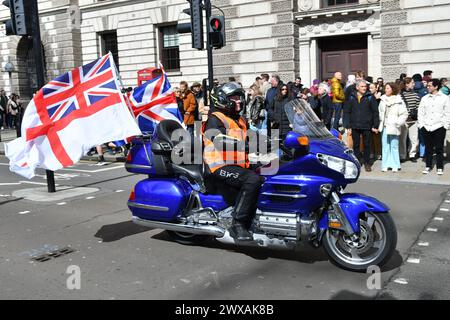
pixel 26 63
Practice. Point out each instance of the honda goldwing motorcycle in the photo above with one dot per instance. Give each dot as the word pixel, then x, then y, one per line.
pixel 304 200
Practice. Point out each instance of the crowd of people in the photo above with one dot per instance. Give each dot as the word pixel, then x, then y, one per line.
pixel 393 122
pixel 11 112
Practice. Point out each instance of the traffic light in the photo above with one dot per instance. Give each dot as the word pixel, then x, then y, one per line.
pixel 216 29
pixel 21 17
pixel 196 25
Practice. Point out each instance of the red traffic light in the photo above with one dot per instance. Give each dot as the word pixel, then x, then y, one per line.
pixel 216 24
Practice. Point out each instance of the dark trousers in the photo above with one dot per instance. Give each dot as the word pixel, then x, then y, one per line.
pixel 356 136
pixel 337 115
pixel 434 142
pixel 239 187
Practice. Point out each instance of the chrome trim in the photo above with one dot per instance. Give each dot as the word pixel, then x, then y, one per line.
pixel 335 201
pixel 177 227
pixel 137 166
pixel 147 207
pixel 295 196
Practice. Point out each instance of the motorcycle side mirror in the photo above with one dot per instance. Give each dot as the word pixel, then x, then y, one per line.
pixel 336 134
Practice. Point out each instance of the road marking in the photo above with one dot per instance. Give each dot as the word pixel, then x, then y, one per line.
pixel 24 182
pixel 90 198
pixel 5 195
pixel 61 203
pixel 401 281
pixel 119 191
pixel 445 209
pixel 413 260
pixel 432 230
pixel 24 212
pixel 121 166
pixel 439 219
pixel 424 244
pixel 447 201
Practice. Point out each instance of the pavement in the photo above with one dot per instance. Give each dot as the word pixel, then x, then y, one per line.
pixel 9 135
pixel 411 172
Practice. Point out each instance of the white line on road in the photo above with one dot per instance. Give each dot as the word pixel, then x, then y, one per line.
pixel 121 166
pixel 439 219
pixel 24 212
pixel 413 260
pixel 445 209
pixel 119 191
pixel 401 281
pixel 423 244
pixel 90 198
pixel 432 230
pixel 23 182
pixel 447 201
pixel 61 203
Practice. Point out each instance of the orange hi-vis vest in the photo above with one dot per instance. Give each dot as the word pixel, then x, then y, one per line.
pixel 217 159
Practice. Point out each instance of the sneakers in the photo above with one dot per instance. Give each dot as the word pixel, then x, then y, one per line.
pixel 368 168
pixel 395 170
pixel 426 171
pixel 440 172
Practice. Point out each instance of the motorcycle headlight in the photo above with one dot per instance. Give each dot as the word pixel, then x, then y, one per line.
pixel 347 168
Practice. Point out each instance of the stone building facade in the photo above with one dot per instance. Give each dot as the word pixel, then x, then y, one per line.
pixel 310 38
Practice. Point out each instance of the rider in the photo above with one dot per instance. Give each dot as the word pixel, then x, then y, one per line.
pixel 227 130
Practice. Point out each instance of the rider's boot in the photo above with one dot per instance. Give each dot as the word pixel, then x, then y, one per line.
pixel 239 232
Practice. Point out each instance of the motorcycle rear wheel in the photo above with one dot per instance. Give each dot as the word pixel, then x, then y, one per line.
pixel 378 241
pixel 187 238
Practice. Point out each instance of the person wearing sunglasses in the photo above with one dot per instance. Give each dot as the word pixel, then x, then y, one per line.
pixel 277 116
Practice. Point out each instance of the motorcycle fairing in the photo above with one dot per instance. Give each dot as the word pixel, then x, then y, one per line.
pixel 355 204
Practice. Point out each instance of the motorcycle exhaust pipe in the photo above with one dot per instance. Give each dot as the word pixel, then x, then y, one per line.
pixel 178 227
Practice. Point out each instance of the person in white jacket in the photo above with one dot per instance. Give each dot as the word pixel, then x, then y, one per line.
pixel 434 121
pixel 393 115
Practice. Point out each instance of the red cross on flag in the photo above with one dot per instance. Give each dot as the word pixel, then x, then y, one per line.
pixel 66 118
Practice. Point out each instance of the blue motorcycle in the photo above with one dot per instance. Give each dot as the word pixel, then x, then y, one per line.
pixel 304 200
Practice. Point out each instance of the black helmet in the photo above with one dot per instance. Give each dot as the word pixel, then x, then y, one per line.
pixel 221 97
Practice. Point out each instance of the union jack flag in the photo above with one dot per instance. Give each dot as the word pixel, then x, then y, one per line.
pixel 72 113
pixel 155 101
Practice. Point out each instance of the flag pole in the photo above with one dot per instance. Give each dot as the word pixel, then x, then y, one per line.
pixel 119 77
pixel 37 47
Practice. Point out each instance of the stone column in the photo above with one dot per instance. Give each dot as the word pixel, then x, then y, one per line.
pixel 314 56
pixel 392 18
pixel 305 61
pixel 374 54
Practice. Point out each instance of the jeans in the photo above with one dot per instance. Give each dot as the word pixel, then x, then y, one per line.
pixel 391 153
pixel 434 141
pixel 356 136
pixel 337 115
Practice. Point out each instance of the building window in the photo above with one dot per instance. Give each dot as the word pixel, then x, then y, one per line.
pixel 169 44
pixel 332 3
pixel 109 43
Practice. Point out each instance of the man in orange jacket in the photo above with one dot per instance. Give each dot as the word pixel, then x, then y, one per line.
pixel 224 136
pixel 189 105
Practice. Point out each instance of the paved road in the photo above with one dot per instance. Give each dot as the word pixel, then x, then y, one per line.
pixel 119 260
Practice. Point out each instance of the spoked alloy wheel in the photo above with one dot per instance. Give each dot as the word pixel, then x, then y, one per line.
pixel 377 242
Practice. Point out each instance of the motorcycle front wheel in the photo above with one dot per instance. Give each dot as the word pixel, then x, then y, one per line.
pixel 376 244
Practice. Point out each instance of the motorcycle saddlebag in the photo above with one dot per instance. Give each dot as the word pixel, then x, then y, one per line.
pixel 159 199
pixel 140 159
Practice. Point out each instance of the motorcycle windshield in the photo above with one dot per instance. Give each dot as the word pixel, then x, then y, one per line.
pixel 305 121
